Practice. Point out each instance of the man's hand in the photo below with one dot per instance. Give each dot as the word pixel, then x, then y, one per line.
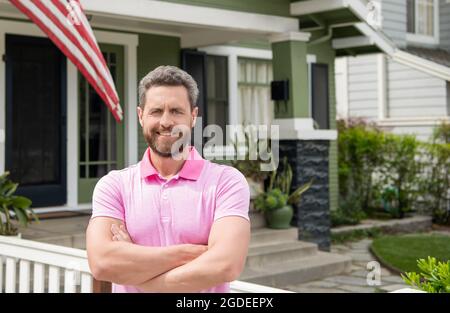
pixel 120 233
pixel 223 262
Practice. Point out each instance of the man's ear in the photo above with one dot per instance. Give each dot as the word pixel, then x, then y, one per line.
pixel 139 113
pixel 194 116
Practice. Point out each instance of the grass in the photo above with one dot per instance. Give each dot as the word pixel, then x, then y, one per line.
pixel 402 252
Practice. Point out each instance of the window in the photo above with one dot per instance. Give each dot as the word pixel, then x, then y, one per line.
pixel 97 146
pixel 319 95
pixel 217 93
pixel 421 17
pixel 254 77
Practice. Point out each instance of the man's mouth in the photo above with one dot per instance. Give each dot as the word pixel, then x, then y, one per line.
pixel 167 134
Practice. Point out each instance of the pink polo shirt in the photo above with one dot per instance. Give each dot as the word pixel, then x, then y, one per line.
pixel 160 212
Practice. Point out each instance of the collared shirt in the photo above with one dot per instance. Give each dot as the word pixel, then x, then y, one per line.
pixel 161 212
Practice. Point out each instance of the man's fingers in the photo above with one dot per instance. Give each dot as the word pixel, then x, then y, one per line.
pixel 114 229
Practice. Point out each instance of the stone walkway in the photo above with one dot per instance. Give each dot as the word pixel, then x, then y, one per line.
pixel 356 280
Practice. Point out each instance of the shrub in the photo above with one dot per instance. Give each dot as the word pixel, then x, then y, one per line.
pixel 10 203
pixel 401 169
pixel 436 182
pixel 360 156
pixel 434 276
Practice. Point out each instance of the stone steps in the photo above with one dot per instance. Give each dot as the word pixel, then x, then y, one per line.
pixel 264 236
pixel 277 258
pixel 275 253
pixel 317 266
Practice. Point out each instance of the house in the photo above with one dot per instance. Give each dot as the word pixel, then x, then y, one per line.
pixel 57 139
pixel 409 91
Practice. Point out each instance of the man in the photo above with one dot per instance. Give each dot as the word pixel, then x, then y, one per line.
pixel 174 222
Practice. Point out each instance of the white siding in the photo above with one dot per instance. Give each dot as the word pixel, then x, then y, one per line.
pixel 421 132
pixel 362 86
pixel 394 20
pixel 412 93
pixel 444 21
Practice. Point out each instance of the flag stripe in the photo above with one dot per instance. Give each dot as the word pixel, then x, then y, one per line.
pixel 47 15
pixel 86 33
pixel 59 19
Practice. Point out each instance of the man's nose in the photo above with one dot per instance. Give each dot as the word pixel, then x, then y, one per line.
pixel 166 120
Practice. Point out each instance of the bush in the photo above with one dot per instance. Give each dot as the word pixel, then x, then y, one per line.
pixel 355 235
pixel 13 207
pixel 360 156
pixel 436 184
pixel 381 173
pixel 434 276
pixel 400 171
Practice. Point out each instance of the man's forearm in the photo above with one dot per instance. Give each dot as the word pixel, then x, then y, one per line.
pixel 206 271
pixel 130 264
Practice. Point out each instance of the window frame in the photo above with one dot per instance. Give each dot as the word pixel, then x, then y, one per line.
pixel 424 39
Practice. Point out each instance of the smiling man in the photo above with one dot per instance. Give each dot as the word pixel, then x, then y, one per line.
pixel 174 222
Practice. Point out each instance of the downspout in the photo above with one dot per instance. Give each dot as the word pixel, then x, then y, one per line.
pixel 329 34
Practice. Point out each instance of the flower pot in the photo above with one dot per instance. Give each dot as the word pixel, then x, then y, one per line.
pixel 280 218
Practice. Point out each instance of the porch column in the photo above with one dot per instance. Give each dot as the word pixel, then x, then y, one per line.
pixel 307 149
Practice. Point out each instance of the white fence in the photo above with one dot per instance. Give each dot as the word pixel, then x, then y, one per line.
pixel 31 266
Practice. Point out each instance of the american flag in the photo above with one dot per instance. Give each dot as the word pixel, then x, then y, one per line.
pixel 65 23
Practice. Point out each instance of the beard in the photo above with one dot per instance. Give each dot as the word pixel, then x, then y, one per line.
pixel 167 147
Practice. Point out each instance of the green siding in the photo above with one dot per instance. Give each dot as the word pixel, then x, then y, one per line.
pixel 289 62
pixel 326 54
pixel 272 7
pixel 153 51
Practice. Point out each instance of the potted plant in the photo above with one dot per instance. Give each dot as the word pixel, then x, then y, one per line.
pixel 249 166
pixel 276 203
pixel 13 207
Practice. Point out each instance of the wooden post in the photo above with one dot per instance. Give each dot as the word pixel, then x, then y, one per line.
pixel 101 286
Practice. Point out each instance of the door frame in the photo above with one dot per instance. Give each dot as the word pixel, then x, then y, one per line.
pixel 129 103
pixel 37 191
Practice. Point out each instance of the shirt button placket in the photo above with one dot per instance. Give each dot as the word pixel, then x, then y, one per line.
pixel 165 205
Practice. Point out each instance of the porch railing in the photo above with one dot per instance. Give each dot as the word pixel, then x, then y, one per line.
pixel 24 263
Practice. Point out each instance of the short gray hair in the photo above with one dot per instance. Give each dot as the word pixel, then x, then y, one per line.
pixel 166 75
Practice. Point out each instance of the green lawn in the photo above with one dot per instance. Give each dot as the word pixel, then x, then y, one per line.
pixel 401 252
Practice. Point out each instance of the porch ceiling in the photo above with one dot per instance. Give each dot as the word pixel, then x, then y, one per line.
pixel 196 26
pixel 347 24
pixel 317 13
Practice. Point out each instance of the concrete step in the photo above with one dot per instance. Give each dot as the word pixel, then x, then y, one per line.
pixel 264 236
pixel 262 255
pixel 317 266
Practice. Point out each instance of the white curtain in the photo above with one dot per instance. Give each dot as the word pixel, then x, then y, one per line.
pixel 425 15
pixel 254 92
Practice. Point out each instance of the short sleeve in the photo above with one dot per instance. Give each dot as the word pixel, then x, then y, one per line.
pixel 233 195
pixel 107 197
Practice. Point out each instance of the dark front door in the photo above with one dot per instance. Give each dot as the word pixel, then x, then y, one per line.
pixel 36 119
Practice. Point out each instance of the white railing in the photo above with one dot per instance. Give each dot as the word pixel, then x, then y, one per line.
pixel 25 262
pixel 54 267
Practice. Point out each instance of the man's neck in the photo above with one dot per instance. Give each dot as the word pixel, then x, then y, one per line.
pixel 167 167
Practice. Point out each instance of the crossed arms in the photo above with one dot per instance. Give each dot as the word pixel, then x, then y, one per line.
pixel 178 268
